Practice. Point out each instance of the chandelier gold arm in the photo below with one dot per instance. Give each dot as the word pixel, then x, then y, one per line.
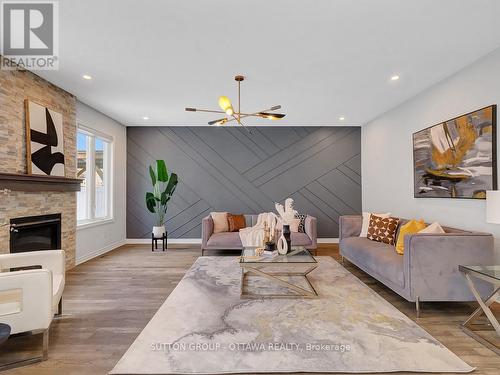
pixel 240 123
pixel 203 110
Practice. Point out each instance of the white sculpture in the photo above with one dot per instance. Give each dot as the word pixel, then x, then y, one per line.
pixel 286 213
pixel 282 246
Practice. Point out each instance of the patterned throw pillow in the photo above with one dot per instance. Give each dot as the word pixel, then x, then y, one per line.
pixel 302 224
pixel 383 229
pixel 236 222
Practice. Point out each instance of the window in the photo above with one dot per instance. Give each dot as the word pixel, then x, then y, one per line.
pixel 94 168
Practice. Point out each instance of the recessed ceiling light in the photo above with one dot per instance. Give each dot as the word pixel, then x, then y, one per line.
pixel 145 118
pixel 395 77
pixel 341 118
pixel 87 77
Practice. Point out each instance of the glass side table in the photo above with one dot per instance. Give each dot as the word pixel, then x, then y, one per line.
pixel 490 274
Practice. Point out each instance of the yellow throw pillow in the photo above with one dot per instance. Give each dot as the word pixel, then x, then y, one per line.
pixel 411 227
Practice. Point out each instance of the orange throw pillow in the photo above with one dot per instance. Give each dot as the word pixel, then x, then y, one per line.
pixel 236 222
pixel 383 229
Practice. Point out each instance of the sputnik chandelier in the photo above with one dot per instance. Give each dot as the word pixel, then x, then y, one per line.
pixel 232 115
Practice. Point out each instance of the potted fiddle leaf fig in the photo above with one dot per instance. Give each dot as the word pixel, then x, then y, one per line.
pixel 157 202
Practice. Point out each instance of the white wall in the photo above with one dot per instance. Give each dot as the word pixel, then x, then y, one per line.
pixel 387 156
pixel 96 240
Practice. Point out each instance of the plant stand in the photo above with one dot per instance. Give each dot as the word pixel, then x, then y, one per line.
pixel 154 242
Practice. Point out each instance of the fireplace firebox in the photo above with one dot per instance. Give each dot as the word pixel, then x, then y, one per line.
pixel 33 233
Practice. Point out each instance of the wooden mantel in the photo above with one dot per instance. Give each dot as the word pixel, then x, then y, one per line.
pixel 37 183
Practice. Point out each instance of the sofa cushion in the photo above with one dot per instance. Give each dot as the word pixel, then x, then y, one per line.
pixel 302 224
pixel 383 229
pixel 411 227
pixel 366 222
pixel 378 257
pixel 300 239
pixel 227 240
pixel 220 222
pixel 236 222
pixel 433 228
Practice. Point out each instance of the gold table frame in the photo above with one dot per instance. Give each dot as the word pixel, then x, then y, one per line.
pixel 273 270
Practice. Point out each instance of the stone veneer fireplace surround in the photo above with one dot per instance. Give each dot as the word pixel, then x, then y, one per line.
pixel 15 87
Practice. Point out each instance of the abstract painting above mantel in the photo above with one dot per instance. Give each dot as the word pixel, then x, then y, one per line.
pixel 44 140
pixel 457 158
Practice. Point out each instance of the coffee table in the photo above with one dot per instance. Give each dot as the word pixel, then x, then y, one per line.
pixel 490 274
pixel 288 272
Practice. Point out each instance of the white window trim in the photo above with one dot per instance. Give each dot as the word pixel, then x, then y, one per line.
pixel 88 223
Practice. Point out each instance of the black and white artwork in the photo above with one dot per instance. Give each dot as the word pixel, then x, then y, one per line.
pixel 45 145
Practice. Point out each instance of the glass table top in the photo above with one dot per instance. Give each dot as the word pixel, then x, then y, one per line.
pixel 298 254
pixel 489 271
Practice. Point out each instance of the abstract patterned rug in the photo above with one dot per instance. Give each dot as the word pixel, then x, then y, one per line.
pixel 205 328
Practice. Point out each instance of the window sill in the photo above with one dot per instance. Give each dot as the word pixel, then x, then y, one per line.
pixel 94 223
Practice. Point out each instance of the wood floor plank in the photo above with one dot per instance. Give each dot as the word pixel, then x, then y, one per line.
pixel 110 299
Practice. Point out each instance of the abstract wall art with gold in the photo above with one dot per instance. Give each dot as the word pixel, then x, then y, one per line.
pixel 457 158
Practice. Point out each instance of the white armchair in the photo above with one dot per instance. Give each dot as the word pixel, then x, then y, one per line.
pixel 30 298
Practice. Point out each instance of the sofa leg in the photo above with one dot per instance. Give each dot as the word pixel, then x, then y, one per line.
pixel 45 344
pixel 417 306
pixel 202 251
pixel 59 309
pixel 342 259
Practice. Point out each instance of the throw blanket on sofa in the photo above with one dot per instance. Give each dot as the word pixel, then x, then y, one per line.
pixel 254 236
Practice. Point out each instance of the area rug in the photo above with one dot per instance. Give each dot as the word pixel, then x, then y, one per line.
pixel 205 328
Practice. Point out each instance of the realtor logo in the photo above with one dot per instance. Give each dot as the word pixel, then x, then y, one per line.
pixel 29 37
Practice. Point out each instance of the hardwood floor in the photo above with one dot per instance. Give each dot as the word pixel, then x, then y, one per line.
pixel 109 300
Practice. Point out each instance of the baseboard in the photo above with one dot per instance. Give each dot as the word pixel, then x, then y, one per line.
pixel 99 252
pixel 196 241
pixel 173 241
pixel 327 240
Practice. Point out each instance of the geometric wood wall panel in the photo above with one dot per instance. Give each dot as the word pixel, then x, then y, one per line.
pixel 227 169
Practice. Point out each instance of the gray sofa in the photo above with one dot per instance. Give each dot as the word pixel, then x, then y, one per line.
pixel 231 240
pixel 428 270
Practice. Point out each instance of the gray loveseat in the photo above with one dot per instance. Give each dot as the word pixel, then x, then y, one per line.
pixel 231 240
pixel 428 270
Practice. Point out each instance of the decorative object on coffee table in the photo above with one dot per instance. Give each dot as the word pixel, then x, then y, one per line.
pixel 490 274
pixel 44 140
pixel 157 202
pixel 270 246
pixel 282 245
pixel 287 212
pixel 286 235
pixel 289 271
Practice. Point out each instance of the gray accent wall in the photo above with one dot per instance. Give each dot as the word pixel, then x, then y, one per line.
pixel 227 169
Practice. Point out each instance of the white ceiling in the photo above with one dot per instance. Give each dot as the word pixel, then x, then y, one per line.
pixel 319 59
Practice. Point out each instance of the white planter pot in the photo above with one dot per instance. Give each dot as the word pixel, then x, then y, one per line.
pixel 158 232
